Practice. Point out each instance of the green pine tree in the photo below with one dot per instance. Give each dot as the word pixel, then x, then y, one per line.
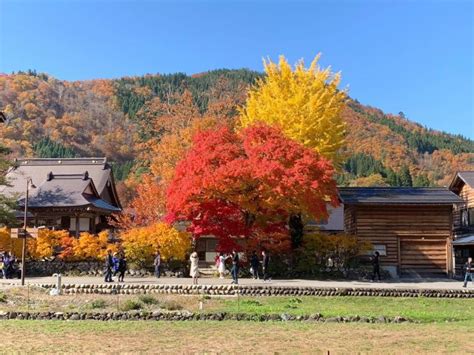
pixel 405 176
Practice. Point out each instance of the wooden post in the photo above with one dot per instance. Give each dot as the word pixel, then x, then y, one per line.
pixel 77 225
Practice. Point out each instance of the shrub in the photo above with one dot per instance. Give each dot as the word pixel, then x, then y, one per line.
pixel 131 305
pixel 9 244
pixel 47 244
pixel 92 247
pixel 141 243
pixel 87 247
pixel 171 305
pixel 149 300
pixel 98 304
pixel 335 252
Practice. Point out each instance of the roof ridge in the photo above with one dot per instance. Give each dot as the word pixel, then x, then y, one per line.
pixel 60 161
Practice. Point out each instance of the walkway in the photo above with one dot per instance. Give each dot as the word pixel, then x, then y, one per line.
pixel 424 284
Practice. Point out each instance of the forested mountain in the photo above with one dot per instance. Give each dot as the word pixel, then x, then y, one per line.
pixel 46 117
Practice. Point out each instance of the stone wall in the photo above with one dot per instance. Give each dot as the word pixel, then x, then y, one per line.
pixel 252 291
pixel 189 316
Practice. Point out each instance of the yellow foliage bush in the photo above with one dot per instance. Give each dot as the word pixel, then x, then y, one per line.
pixel 59 243
pixel 92 247
pixel 48 243
pixel 9 244
pixel 141 244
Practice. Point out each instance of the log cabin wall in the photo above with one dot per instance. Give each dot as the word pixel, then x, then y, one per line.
pixel 416 238
pixel 467 194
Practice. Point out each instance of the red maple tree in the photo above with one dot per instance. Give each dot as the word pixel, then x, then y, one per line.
pixel 246 185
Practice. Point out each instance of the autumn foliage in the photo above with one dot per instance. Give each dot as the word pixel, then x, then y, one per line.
pixel 247 184
pixel 305 103
pixel 142 243
pixel 60 244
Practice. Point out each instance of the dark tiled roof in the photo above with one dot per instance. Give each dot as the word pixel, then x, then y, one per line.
pixel 72 190
pixel 398 195
pixel 38 170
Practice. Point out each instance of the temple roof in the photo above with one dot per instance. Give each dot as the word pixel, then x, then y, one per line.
pixel 67 191
pixel 98 169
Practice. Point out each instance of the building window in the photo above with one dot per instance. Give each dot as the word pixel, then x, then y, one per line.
pixel 381 248
pixel 464 218
pixel 471 217
pixel 84 224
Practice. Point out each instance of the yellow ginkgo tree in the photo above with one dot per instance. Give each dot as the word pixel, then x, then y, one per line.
pixel 304 102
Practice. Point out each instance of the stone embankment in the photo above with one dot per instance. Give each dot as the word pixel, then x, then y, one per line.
pixel 254 291
pixel 189 316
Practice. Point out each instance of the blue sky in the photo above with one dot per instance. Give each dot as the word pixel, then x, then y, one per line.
pixel 410 56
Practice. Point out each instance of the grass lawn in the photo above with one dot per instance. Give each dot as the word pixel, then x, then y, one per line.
pixel 233 337
pixel 420 309
pixel 445 325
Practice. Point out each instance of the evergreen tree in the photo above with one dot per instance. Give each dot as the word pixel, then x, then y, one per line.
pixel 46 148
pixel 422 180
pixel 405 176
pixel 392 178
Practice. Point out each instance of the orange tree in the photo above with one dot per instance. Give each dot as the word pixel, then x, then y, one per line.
pixel 247 185
pixel 142 243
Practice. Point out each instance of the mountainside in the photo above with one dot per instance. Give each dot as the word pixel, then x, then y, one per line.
pixel 46 117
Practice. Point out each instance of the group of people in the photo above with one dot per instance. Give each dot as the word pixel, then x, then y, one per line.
pixel 255 265
pixel 9 266
pixel 115 263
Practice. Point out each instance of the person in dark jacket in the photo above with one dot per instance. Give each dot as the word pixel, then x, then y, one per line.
pixel 109 265
pixel 265 264
pixel 6 265
pixel 376 265
pixel 235 267
pixel 122 267
pixel 255 264
pixel 468 271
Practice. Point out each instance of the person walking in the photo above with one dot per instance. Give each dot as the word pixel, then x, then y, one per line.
pixel 376 265
pixel 157 264
pixel 115 258
pixel 468 271
pixel 235 267
pixel 122 266
pixel 265 264
pixel 6 265
pixel 109 265
pixel 194 270
pixel 254 265
pixel 221 265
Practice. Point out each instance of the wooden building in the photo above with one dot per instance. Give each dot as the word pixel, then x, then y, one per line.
pixel 411 228
pixel 463 218
pixel 75 194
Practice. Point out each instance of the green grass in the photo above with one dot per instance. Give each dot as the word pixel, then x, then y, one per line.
pixel 420 309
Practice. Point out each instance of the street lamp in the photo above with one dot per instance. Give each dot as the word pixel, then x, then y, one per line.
pixel 29 183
